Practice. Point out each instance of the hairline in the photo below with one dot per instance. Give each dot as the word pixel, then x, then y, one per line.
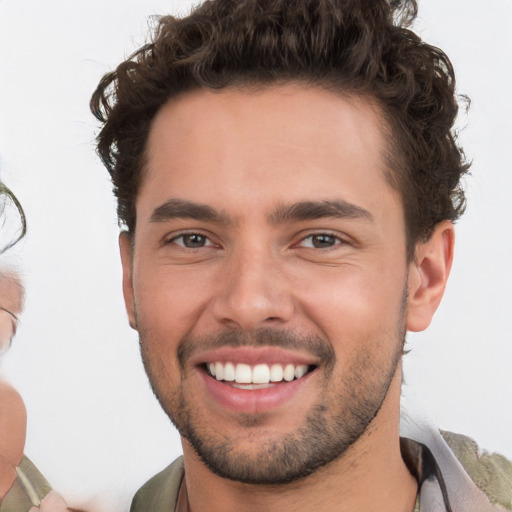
pixel 393 158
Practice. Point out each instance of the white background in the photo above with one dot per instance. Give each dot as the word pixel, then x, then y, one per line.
pixel 95 430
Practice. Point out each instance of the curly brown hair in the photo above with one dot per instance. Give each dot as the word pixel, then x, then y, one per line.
pixel 359 47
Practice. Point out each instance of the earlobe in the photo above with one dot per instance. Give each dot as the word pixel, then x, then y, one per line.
pixel 126 250
pixel 428 275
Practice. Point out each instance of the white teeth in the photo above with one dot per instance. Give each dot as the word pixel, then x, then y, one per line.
pixel 288 374
pixel 251 386
pixel 259 374
pixel 229 372
pixel 219 371
pixel 243 373
pixel 276 373
pixel 300 371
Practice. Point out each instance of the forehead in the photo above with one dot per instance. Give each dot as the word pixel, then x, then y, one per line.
pixel 280 144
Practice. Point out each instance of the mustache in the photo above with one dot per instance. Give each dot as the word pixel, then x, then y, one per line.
pixel 190 345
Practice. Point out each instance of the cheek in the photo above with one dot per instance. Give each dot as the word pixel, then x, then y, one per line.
pixel 6 330
pixel 354 306
pixel 170 300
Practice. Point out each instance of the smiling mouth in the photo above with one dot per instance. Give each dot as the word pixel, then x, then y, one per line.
pixel 244 376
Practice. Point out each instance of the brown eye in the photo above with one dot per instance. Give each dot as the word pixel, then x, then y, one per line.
pixel 192 241
pixel 320 241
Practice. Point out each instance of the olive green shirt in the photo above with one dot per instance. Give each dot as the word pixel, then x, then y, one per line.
pixel 28 490
pixel 459 476
pixel 487 479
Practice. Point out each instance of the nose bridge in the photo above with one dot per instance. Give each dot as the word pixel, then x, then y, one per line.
pixel 254 290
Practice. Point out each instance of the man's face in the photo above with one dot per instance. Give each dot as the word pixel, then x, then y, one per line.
pixel 268 246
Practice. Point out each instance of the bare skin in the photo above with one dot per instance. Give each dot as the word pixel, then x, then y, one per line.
pixel 248 263
pixel 13 425
pixel 11 305
pixel 368 475
pixel 13 414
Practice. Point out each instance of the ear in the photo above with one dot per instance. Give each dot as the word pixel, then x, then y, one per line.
pixel 126 250
pixel 428 274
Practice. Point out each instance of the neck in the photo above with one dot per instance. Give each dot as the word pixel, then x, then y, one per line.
pixel 371 472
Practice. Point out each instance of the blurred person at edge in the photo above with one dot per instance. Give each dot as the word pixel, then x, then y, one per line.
pixel 287 177
pixel 22 487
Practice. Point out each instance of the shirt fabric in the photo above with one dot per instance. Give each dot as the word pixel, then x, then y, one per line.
pixel 28 490
pixel 452 474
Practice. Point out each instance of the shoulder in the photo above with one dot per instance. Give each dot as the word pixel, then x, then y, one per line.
pixel 160 493
pixel 28 490
pixel 13 423
pixel 492 473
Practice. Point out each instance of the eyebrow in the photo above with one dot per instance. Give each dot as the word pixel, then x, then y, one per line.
pixel 311 210
pixel 302 211
pixel 181 209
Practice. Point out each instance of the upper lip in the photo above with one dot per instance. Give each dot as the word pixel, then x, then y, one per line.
pixel 253 356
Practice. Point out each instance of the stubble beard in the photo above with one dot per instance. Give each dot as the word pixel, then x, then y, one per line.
pixel 333 425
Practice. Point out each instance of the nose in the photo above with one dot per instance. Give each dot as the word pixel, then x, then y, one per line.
pixel 253 293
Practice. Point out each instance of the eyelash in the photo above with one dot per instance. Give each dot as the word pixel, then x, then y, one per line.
pixel 336 239
pixel 173 240
pixel 208 242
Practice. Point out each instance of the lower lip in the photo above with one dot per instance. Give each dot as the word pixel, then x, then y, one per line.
pixel 252 401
